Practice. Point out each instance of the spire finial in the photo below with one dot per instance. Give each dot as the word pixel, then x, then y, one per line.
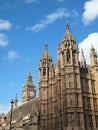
pixel 29 76
pixel 83 60
pixel 92 48
pixel 46 46
pixel 67 26
pixel 29 70
pixel 16 97
pixel 82 52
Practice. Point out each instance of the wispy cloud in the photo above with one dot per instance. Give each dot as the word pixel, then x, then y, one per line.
pixel 90 11
pixel 3 40
pixel 49 19
pixel 12 55
pixel 75 13
pixel 91 39
pixel 4 109
pixel 5 25
pixel 31 1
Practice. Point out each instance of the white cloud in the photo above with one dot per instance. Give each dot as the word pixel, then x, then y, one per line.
pixel 86 44
pixel 12 55
pixel 4 109
pixel 5 25
pixel 31 1
pixel 3 40
pixel 50 18
pixel 91 11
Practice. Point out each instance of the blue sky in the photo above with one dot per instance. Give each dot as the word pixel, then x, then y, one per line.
pixel 25 27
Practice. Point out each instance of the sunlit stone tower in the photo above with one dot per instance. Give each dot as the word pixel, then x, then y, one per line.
pixel 46 76
pixel 29 90
pixel 68 90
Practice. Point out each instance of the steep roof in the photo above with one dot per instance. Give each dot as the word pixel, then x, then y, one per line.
pixel 24 110
pixel 68 36
pixel 29 80
pixel 46 54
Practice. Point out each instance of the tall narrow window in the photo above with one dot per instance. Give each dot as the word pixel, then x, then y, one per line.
pixel 95 103
pixel 70 84
pixel 91 121
pixel 44 108
pixel 66 119
pixel 85 121
pixel 72 119
pixel 87 85
pixel 44 71
pixel 77 100
pixel 67 44
pixel 48 71
pixel 64 84
pixel 68 55
pixel 77 81
pixel 70 99
pixel 69 75
pixel 64 102
pixel 96 117
pixel 88 102
pixel 78 119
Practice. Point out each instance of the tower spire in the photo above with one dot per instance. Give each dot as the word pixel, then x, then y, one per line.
pixel 68 36
pixel 29 78
pixel 83 60
pixel 15 102
pixel 46 54
pixel 93 56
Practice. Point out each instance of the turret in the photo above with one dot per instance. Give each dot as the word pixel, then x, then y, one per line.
pixel 82 60
pixel 68 50
pixel 15 105
pixel 45 66
pixel 46 74
pixel 58 63
pixel 68 36
pixel 93 56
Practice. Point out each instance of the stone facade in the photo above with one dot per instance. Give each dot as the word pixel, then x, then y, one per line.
pixel 68 90
pixel 68 93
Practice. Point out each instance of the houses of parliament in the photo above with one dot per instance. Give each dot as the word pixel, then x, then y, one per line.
pixel 68 93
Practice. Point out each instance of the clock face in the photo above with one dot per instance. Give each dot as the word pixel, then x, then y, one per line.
pixel 31 94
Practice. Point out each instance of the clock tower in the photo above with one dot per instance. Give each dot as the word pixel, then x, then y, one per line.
pixel 28 91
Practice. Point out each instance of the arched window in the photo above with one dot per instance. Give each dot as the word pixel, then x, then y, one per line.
pixel 68 55
pixel 44 71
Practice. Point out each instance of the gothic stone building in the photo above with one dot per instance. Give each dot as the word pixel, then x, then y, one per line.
pixel 68 91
